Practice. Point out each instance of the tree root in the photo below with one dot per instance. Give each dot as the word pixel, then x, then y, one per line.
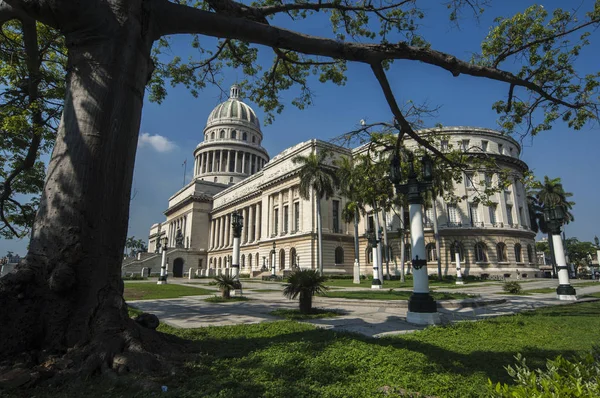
pixel 133 350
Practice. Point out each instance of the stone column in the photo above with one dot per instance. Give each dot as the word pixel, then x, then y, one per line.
pixel 258 223
pixel 223 229
pixel 280 221
pixel 243 162
pixel 250 227
pixel 235 166
pixel 245 230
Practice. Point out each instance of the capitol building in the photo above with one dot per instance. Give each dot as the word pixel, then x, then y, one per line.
pixel 232 171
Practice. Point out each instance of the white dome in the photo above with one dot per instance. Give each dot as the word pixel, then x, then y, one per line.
pixel 233 110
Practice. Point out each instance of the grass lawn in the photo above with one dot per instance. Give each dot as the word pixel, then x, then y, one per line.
pixel 219 299
pixel 584 284
pixel 149 291
pixel 393 295
pixel 596 295
pixel 541 290
pixel 296 315
pixel 291 359
pixel 263 290
pixel 366 283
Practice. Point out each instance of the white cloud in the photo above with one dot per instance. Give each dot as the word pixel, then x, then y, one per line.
pixel 157 142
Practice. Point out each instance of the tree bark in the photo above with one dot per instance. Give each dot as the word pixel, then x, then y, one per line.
pixel 69 293
pixel 305 302
pixel 319 235
pixel 436 235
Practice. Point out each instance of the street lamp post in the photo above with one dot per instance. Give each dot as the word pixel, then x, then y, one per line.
pixel 162 279
pixel 373 242
pixel 273 268
pixel 422 308
pixel 459 279
pixel 237 223
pixel 554 217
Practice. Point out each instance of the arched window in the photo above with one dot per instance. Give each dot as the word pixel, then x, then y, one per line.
pixel 293 258
pixel 222 134
pixel 369 255
pixel 501 252
pixel 529 253
pixel 220 263
pixel 480 252
pixel 461 252
pixel 212 135
pixel 339 255
pixel 245 136
pixel 253 139
pixel 407 253
pixel 518 253
pixel 243 261
pixel 281 259
pixel 431 252
pixel 234 134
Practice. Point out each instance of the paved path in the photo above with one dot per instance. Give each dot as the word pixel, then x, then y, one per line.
pixel 374 318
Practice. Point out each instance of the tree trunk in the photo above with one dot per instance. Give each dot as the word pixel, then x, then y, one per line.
pixel 436 236
pixel 305 302
pixel 385 245
pixel 356 249
pixel 319 235
pixel 69 292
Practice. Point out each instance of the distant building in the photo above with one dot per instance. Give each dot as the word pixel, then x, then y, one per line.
pixel 232 171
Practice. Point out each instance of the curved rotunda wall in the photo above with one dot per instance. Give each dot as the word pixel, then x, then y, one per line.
pixel 231 149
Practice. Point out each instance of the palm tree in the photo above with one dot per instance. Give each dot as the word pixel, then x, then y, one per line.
pixel 349 181
pixel 304 283
pixel 226 284
pixel 322 179
pixel 550 193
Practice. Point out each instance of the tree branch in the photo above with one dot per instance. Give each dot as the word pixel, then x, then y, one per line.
pixel 274 9
pixel 178 19
pixel 33 70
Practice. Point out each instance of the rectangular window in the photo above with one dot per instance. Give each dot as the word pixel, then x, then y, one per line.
pixel 444 145
pixel 464 145
pixel 452 214
pixel 474 209
pixel 484 146
pixel 370 223
pixel 501 149
pixel 428 217
pixel 488 179
pixel 493 214
pixel 336 215
pixel 275 221
pixel 509 215
pixel 285 219
pixel 297 216
pixel 469 180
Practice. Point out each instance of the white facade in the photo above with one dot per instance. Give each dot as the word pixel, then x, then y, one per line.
pixel 233 172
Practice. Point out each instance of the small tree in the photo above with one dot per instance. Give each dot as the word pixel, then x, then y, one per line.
pixel 226 284
pixel 304 283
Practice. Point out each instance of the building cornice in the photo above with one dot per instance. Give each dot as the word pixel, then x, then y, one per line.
pixel 197 198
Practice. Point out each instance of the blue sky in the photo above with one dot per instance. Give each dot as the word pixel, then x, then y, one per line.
pixel 169 132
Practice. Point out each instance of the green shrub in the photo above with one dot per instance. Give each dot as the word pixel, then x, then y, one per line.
pixel 244 275
pixel 579 377
pixel 512 287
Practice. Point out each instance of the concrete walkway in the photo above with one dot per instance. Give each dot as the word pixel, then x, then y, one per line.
pixel 373 318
